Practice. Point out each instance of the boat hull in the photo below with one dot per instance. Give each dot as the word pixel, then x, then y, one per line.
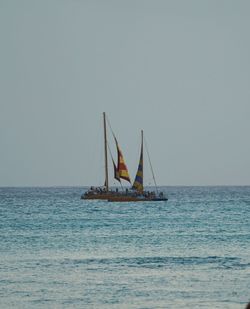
pixel 120 197
pixel 97 196
pixel 135 199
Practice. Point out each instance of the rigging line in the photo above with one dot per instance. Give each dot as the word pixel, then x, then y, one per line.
pixel 97 150
pixel 110 153
pixel 151 167
pixel 111 128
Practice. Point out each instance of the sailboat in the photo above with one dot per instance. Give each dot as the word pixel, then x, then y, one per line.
pixel 136 193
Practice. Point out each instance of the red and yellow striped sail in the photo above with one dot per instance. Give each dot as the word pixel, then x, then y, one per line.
pixel 121 166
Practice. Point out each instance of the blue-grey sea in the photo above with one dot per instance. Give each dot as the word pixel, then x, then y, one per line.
pixel 58 251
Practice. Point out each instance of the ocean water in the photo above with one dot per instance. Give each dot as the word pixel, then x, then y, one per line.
pixel 57 251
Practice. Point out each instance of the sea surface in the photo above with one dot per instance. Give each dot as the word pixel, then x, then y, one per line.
pixel 57 251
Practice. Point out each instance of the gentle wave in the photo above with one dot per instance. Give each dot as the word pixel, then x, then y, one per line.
pixel 58 251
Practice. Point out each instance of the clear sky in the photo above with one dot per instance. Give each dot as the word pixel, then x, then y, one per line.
pixel 178 69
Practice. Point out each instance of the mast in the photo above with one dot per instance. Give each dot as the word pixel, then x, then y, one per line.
pixel 105 153
pixel 142 155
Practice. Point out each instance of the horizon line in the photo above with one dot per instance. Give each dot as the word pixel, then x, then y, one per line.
pixel 86 186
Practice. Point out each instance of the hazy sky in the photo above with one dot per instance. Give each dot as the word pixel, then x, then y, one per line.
pixel 178 69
